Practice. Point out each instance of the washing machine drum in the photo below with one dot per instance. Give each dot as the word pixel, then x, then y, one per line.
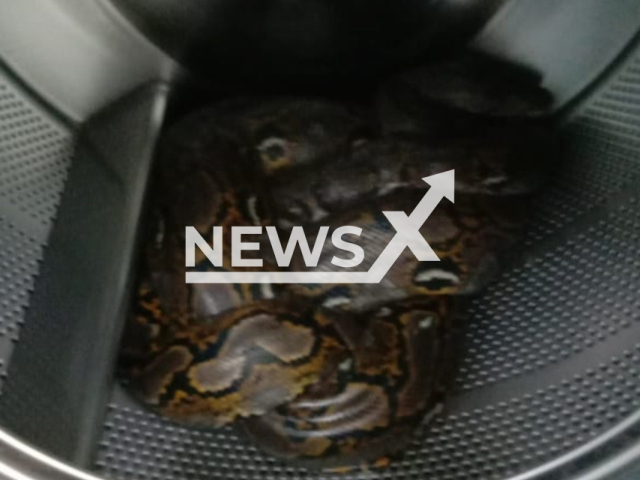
pixel 548 379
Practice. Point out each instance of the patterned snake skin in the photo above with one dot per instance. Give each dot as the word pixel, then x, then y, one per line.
pixel 331 376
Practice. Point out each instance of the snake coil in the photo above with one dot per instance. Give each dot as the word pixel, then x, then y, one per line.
pixel 332 375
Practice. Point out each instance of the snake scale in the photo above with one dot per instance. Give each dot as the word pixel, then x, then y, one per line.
pixel 331 376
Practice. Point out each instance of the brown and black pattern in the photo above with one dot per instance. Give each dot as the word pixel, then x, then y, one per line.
pixel 279 133
pixel 472 238
pixel 371 404
pixel 246 363
pixel 500 163
pixel 331 376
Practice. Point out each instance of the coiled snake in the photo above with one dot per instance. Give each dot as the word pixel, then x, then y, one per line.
pixel 330 375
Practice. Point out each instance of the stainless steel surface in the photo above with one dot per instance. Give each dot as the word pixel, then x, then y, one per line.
pixel 35 155
pixel 312 44
pixel 549 379
pixel 571 42
pixel 79 55
pixel 59 374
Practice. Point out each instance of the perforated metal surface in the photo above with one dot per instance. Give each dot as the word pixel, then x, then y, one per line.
pixel 34 158
pixel 59 377
pixel 19 254
pixel 550 354
pixel 35 154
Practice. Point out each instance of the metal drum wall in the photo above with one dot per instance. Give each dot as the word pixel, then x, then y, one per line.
pixel 549 378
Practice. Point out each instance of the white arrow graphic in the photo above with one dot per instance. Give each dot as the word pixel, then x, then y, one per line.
pixel 407 236
pixel 442 186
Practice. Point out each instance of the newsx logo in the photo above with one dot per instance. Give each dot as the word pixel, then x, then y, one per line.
pixel 407 236
pixel 283 256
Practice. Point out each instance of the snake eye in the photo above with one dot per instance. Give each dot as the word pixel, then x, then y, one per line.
pixel 274 153
pixel 273 148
